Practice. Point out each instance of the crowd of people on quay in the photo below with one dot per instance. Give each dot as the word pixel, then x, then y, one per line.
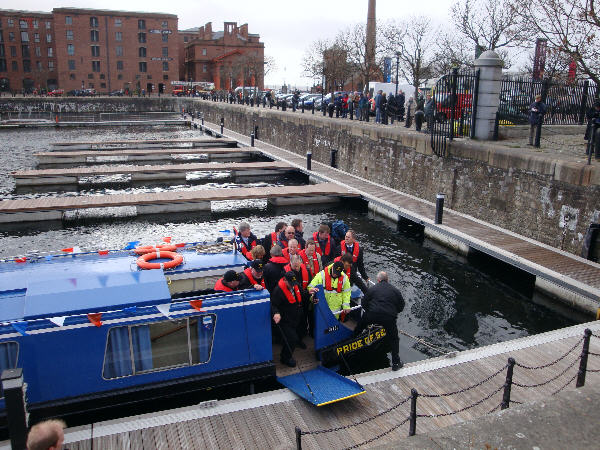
pixel 292 268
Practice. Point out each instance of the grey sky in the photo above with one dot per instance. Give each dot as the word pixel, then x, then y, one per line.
pixel 287 28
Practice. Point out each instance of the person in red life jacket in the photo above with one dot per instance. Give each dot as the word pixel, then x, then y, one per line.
pixel 292 249
pixel 382 304
pixel 273 270
pixel 286 309
pixel 302 275
pixel 299 232
pixel 229 282
pixel 311 259
pixel 287 234
pixel 245 240
pixel 271 239
pixel 252 277
pixel 326 245
pixel 351 247
pixel 257 252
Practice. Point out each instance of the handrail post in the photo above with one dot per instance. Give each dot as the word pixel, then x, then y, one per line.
pixel 453 99
pixel 298 438
pixel 474 103
pixel 413 412
pixel 587 334
pixel 252 140
pixel 308 160
pixel 222 125
pixel 508 384
pixel 256 132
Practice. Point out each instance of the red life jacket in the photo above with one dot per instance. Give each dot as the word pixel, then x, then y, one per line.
pixel 315 261
pixel 273 239
pixel 282 242
pixel 355 250
pixel 219 286
pixel 278 259
pixel 292 298
pixel 286 253
pixel 339 258
pixel 327 247
pixel 248 273
pixel 329 278
pixel 244 248
pixel 304 274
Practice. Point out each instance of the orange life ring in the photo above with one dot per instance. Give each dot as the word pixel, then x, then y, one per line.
pixel 151 248
pixel 143 263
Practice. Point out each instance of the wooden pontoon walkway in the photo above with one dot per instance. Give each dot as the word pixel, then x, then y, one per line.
pixel 168 171
pixel 555 270
pixel 170 201
pixel 267 420
pixel 144 143
pixel 83 156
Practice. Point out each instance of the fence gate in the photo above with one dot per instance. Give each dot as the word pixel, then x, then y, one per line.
pixel 455 107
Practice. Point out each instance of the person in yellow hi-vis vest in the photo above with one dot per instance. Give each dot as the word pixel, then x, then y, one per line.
pixel 336 285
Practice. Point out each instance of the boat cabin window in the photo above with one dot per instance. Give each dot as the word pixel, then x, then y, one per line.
pixel 136 349
pixel 8 358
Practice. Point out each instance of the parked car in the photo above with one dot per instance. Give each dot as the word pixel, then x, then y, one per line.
pixel 443 105
pixel 117 93
pixel 56 92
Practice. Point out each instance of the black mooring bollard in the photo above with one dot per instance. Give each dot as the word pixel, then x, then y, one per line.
pixel 252 140
pixel 412 426
pixel 439 208
pixel 508 384
pixel 333 158
pixel 202 120
pixel 222 125
pixel 16 409
pixel 308 160
pixel 256 132
pixel 584 358
pixel 298 438
pixel 302 106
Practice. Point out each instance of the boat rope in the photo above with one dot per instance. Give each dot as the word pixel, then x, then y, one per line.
pixel 428 344
pixel 297 365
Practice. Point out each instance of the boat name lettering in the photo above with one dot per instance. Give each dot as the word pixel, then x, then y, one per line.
pixel 367 340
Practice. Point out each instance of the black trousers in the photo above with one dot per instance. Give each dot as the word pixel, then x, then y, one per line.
pixel 391 330
pixel 289 340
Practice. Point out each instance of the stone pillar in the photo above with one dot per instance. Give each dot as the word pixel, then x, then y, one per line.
pixel 490 81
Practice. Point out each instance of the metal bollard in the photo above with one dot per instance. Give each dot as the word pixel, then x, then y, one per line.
pixel 351 110
pixel 302 106
pixel 333 158
pixel 16 409
pixel 308 160
pixel 222 125
pixel 412 427
pixel 256 132
pixel 202 120
pixel 439 208
pixel 508 384
pixel 252 140
pixel 584 358
pixel 298 438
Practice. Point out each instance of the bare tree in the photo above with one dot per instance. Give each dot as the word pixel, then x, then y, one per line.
pixel 324 59
pixel 488 25
pixel 412 41
pixel 572 27
pixel 451 52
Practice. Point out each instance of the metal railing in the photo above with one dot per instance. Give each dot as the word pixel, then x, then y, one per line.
pixel 506 388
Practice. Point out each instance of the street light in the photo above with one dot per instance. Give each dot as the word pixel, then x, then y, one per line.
pixel 397 64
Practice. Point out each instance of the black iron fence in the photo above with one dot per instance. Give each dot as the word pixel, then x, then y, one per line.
pixel 566 103
pixel 575 369
pixel 454 108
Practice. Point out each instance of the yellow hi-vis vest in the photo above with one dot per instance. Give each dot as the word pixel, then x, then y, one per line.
pixel 335 300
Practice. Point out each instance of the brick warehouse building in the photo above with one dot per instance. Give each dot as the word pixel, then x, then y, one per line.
pixel 229 58
pixel 71 48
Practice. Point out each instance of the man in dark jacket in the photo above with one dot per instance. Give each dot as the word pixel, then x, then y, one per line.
pixel 351 246
pixel 593 125
pixel 252 277
pixel 299 232
pixel 274 269
pixel 245 240
pixel 400 100
pixel 271 239
pixel 536 115
pixel 286 310
pixel 382 304
pixel 287 234
pixel 326 244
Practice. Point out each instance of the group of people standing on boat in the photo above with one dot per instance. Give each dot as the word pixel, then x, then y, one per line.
pixel 291 268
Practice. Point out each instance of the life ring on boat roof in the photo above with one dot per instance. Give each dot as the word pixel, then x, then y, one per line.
pixel 151 248
pixel 143 261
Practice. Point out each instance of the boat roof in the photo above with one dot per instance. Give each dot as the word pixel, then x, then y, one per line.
pixel 86 283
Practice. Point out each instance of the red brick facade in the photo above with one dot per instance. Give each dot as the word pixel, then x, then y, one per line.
pixel 27 51
pixel 228 58
pixel 73 48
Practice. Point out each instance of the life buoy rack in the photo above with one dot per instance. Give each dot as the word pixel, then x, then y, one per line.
pixel 151 248
pixel 143 261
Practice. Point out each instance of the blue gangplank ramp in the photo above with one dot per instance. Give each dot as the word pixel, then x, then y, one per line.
pixel 328 329
pixel 326 386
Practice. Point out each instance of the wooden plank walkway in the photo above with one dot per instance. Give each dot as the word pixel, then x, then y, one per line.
pixel 143 143
pixel 268 420
pixel 113 170
pixel 558 267
pixel 170 197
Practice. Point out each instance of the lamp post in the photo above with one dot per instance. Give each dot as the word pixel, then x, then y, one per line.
pixel 397 64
